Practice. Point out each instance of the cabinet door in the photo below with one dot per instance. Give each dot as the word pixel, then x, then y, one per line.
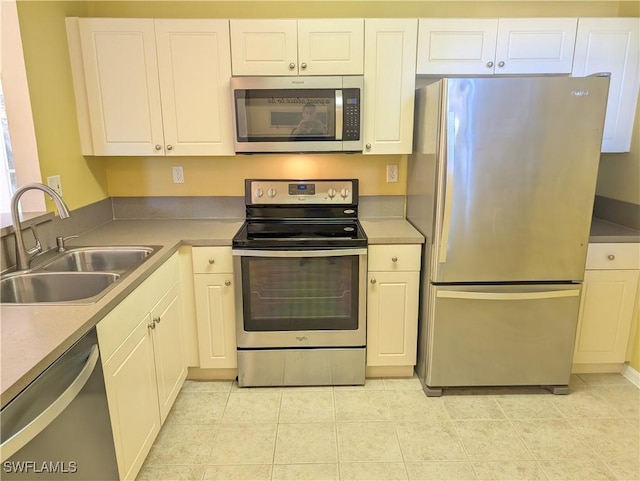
pixel 456 46
pixel 331 47
pixel 171 367
pixel 123 96
pixel 215 311
pixel 264 47
pixel 606 313
pixel 194 63
pixel 612 45
pixel 390 85
pixel 130 382
pixel 392 318
pixel 535 45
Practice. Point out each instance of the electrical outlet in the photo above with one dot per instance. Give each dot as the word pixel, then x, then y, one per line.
pixel 392 173
pixel 55 183
pixel 178 175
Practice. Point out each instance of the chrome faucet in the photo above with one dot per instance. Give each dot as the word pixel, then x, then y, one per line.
pixel 24 256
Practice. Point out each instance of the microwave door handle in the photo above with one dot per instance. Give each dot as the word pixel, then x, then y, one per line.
pixel 339 107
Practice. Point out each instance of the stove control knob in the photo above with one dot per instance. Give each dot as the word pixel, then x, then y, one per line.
pixel 272 192
pixel 344 193
pixel 259 193
pixel 331 193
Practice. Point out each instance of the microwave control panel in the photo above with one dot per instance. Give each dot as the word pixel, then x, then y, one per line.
pixel 351 114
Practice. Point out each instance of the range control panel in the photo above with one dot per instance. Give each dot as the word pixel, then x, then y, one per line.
pixel 299 192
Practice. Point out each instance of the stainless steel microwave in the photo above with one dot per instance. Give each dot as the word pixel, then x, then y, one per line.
pixel 297 114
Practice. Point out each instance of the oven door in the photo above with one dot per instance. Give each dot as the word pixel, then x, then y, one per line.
pixel 310 298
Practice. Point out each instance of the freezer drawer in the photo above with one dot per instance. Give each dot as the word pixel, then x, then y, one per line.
pixel 501 335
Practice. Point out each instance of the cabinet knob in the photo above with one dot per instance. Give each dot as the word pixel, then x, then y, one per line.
pixel 373 281
pixel 611 257
pixel 151 325
pixel 394 259
pixel 169 147
pixel 292 66
pixel 489 64
pixel 212 261
pixel 156 320
pixel 158 147
pixel 368 146
pixel 227 283
pixel 303 65
pixel 500 64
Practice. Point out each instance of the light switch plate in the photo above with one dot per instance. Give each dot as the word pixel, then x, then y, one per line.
pixel 55 183
pixel 392 173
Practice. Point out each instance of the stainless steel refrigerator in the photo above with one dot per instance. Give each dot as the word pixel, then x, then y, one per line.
pixel 501 183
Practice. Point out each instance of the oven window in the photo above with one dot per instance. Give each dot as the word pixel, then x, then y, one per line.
pixel 300 294
pixel 291 115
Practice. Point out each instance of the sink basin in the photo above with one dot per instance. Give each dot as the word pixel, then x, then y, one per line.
pixel 55 287
pixel 92 259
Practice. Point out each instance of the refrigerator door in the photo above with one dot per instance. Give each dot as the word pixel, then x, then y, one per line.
pixel 517 168
pixel 501 335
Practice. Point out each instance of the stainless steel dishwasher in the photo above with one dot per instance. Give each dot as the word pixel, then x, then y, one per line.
pixel 58 427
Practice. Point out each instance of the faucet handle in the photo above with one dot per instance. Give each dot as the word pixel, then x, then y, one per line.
pixel 37 248
pixel 61 240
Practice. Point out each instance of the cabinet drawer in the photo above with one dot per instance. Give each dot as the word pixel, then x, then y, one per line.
pixel 212 260
pixel 394 257
pixel 613 256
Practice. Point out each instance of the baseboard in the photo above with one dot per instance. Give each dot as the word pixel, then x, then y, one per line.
pixel 631 374
pixel 200 374
pixel 389 371
pixel 596 368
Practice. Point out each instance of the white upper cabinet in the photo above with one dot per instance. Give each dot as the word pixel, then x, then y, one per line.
pixel 495 46
pixel 297 47
pixel 152 87
pixel 194 65
pixel 456 46
pixel 612 45
pixel 389 76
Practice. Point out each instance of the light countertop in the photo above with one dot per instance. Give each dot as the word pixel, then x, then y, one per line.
pixel 603 231
pixel 34 336
pixel 391 231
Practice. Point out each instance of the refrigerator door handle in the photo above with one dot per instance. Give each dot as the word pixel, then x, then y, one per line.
pixel 507 296
pixel 448 191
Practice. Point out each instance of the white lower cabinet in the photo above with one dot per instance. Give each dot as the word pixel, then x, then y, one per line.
pixel 143 361
pixel 607 307
pixel 215 308
pixel 392 305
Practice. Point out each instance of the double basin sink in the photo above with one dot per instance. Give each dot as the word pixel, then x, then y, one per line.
pixel 79 275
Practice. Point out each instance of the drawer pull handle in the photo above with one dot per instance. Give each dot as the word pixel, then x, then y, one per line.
pixel 394 259
pixel 212 261
pixel 151 325
pixel 611 257
pixel 227 283
pixel 373 281
pixel 156 320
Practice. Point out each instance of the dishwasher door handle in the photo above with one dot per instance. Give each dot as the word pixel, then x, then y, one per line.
pixel 46 417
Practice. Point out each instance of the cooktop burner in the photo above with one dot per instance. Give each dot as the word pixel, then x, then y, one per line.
pixel 285 214
pixel 259 234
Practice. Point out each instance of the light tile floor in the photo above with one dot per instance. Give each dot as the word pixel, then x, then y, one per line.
pixel 389 430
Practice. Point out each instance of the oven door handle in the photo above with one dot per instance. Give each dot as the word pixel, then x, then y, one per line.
pixel 313 253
